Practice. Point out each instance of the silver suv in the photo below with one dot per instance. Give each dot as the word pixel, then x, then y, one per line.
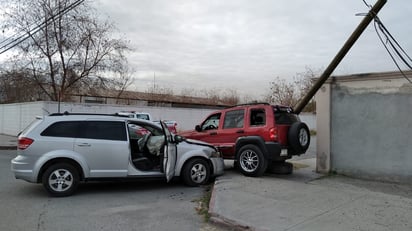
pixel 61 150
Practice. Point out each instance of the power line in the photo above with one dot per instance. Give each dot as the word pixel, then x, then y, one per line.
pixel 386 38
pixel 36 29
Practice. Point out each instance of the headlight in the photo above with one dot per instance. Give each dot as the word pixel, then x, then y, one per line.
pixel 216 154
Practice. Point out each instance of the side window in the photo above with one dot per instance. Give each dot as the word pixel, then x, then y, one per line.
pixel 62 129
pixel 104 130
pixel 137 131
pixel 257 117
pixel 234 119
pixel 212 122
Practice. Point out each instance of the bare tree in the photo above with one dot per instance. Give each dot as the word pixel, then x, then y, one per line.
pixel 289 93
pixel 188 92
pixel 66 51
pixel 122 80
pixel 14 87
pixel 160 91
pixel 282 92
pixel 211 94
pixel 230 97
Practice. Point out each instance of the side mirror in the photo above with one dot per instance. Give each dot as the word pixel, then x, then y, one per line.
pixel 179 139
pixel 198 128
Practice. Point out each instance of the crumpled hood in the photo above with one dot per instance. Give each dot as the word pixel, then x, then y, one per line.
pixel 198 142
pixel 186 133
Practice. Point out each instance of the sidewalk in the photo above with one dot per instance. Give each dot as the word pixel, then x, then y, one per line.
pixel 306 200
pixel 8 142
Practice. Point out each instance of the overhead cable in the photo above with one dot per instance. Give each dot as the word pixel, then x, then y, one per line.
pixel 16 41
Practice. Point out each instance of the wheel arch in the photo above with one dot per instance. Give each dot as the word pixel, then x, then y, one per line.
pixel 255 140
pixel 67 160
pixel 209 162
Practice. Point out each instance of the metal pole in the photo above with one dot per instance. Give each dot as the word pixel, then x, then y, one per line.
pixel 338 58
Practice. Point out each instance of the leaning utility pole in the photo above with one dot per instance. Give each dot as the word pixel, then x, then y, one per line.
pixel 338 58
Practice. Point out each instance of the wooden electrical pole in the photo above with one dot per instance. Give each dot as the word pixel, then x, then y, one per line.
pixel 338 58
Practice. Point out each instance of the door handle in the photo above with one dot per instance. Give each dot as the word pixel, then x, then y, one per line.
pixel 84 145
pixel 240 131
pixel 213 133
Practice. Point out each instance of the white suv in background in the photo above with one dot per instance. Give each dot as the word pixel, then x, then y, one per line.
pixel 61 150
pixel 171 124
pixel 136 115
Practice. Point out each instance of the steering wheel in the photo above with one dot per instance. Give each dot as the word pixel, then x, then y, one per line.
pixel 211 126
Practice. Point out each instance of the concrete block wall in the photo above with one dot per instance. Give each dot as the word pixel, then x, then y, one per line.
pixel 364 127
pixel 371 135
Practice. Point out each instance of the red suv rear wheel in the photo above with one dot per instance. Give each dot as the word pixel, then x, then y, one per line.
pixel 251 161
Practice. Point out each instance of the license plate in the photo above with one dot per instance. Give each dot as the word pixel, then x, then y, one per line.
pixel 283 152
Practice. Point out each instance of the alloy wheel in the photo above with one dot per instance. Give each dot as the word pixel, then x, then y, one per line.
pixel 60 180
pixel 198 173
pixel 249 161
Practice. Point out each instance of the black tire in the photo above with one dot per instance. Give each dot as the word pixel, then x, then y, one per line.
pixel 280 167
pixel 250 161
pixel 196 172
pixel 299 137
pixel 60 179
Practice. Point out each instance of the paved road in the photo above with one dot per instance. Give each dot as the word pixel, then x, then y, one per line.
pixel 150 205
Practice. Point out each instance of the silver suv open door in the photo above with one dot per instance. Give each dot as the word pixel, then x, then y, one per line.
pixel 169 161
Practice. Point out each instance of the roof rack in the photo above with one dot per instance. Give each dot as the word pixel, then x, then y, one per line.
pixel 247 104
pixel 69 113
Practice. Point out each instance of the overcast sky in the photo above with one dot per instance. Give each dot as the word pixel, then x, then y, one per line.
pixel 245 44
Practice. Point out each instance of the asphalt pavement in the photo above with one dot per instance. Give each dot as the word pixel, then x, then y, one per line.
pixel 303 200
pixel 8 142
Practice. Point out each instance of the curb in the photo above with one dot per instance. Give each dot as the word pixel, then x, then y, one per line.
pixel 8 147
pixel 219 220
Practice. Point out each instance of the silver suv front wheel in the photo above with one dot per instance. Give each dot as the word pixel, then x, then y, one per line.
pixel 196 172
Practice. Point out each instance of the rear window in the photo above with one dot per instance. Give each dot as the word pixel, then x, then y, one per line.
pixel 62 129
pixel 284 115
pixel 32 125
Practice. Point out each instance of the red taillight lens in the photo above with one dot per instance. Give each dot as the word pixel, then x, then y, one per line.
pixel 24 143
pixel 273 133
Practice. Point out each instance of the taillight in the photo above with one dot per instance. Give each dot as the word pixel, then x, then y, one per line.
pixel 273 133
pixel 24 143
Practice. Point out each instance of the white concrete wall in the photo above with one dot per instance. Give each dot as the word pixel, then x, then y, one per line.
pixel 364 127
pixel 323 118
pixel 309 119
pixel 15 117
pixel 186 118
pixel 371 134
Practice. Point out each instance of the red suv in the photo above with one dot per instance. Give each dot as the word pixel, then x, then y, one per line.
pixel 256 136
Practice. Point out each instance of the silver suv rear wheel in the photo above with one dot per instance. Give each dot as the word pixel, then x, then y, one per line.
pixel 60 179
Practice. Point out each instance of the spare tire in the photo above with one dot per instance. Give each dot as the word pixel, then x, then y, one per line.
pixel 299 137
